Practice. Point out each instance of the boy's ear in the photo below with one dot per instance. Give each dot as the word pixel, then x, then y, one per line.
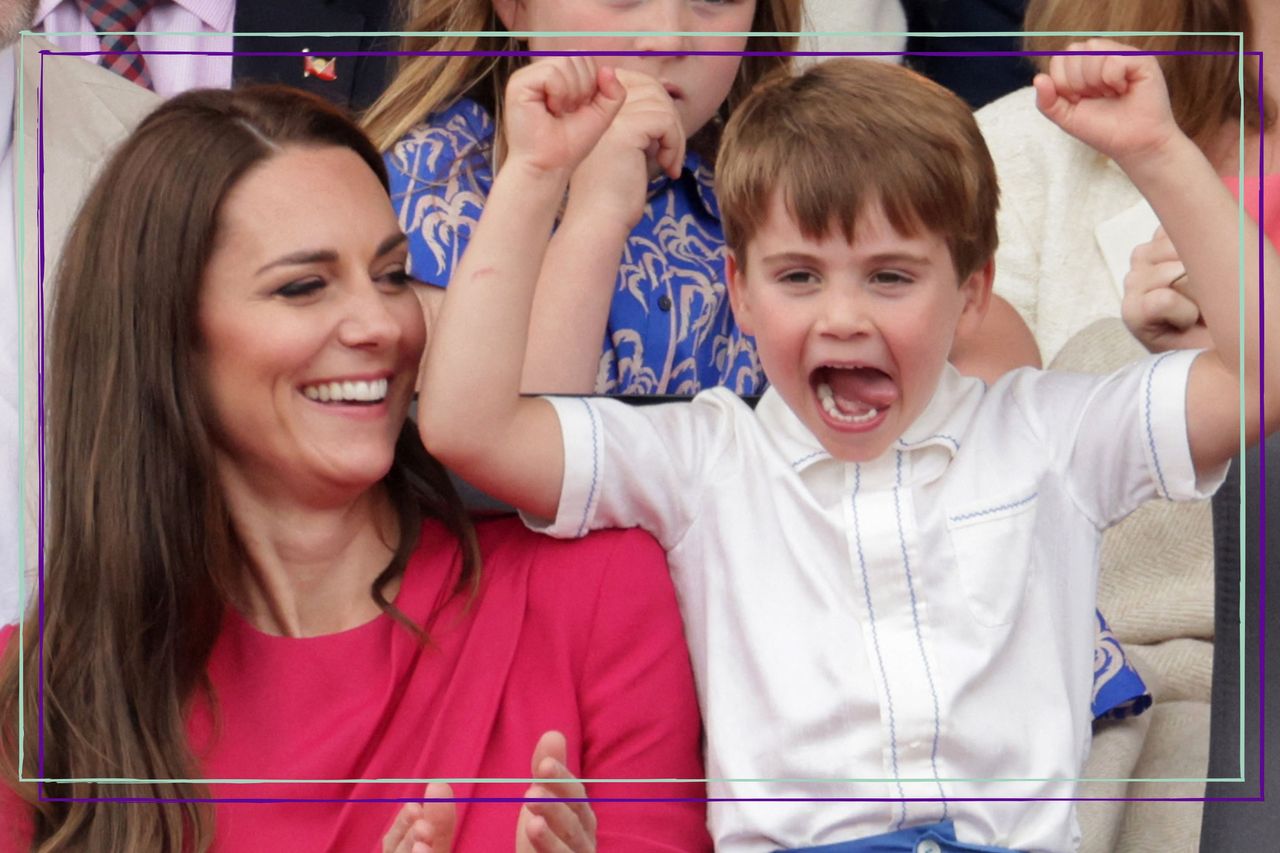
pixel 508 12
pixel 736 281
pixel 976 290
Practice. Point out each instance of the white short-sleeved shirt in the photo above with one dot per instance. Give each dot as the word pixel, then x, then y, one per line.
pixel 915 621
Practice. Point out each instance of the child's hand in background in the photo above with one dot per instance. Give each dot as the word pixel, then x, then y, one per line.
pixel 556 110
pixel 1115 102
pixel 645 139
pixel 1156 307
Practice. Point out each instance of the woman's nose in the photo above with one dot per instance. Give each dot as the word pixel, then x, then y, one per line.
pixel 367 319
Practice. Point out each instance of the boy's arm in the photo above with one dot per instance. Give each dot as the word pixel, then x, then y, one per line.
pixel 1118 104
pixel 472 416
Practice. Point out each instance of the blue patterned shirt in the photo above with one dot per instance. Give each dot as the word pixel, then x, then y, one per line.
pixel 670 330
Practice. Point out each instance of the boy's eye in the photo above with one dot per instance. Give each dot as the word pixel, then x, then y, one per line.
pixel 797 277
pixel 302 287
pixel 890 277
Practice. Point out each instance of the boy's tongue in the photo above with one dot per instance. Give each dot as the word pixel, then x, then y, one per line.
pixel 860 389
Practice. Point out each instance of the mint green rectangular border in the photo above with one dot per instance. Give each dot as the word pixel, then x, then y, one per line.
pixel 20 192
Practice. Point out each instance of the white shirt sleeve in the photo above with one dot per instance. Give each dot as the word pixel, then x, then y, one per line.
pixel 638 466
pixel 1118 440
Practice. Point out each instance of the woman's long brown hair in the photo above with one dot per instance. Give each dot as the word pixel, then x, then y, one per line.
pixel 141 548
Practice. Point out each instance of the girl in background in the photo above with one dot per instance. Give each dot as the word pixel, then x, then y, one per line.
pixel 636 261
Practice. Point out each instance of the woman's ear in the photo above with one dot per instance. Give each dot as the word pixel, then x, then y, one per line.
pixel 736 280
pixel 510 13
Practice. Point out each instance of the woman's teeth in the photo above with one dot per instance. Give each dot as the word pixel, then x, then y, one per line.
pixel 347 392
pixel 829 405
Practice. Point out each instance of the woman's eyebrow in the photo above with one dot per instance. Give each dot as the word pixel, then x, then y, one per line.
pixel 306 256
pixel 390 243
pixel 321 256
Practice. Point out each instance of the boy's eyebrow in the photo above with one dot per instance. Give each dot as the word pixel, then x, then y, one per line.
pixel 788 258
pixel 324 256
pixel 888 257
pixel 899 257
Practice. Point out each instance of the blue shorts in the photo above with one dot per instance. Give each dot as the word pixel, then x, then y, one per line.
pixel 937 837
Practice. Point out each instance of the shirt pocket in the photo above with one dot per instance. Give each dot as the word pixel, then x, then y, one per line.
pixel 992 542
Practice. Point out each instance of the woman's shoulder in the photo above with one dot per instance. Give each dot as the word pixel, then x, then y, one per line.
pixel 586 559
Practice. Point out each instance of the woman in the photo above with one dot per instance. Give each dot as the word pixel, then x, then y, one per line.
pixel 256 572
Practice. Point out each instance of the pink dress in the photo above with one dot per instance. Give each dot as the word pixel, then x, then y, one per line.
pixel 583 637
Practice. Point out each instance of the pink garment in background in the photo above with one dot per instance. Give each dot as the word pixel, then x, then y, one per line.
pixel 1271 191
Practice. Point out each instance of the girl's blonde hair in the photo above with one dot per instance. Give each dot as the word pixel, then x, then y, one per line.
pixel 434 80
pixel 1203 90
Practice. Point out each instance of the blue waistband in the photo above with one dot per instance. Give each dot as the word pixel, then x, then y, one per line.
pixel 937 837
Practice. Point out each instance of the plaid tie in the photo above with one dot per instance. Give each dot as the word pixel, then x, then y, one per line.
pixel 115 21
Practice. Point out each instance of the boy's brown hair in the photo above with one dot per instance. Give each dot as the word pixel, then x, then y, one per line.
pixel 853 132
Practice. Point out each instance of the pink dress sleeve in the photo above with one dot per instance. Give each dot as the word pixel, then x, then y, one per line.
pixel 639 710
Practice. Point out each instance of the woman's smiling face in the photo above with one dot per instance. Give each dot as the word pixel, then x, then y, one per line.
pixel 310 332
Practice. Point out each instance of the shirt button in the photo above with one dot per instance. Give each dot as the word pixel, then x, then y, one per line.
pixel 664 302
pixel 928 845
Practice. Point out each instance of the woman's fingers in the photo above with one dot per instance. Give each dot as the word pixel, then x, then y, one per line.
pixel 393 840
pixel 550 826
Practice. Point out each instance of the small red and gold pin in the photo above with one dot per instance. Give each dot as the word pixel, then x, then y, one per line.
pixel 315 66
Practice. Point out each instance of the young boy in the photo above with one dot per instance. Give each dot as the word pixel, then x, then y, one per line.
pixel 882 569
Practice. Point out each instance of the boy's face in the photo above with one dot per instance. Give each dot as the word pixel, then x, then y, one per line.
pixel 853 336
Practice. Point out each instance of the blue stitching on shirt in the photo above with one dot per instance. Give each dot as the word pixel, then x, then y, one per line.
pixel 804 459
pixel 907 445
pixel 875 639
pixel 595 460
pixel 968 515
pixel 1151 443
pixel 915 618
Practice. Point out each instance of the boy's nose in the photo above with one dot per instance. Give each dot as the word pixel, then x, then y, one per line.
pixel 844 315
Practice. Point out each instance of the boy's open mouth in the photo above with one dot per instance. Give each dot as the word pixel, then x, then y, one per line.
pixel 853 394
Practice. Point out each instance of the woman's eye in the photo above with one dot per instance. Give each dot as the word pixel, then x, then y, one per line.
pixel 397 277
pixel 304 287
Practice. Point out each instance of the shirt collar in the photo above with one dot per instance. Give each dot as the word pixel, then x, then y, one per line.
pixel 942 424
pixel 703 178
pixel 215 14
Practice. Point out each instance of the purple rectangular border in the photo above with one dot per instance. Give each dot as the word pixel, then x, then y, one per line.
pixel 40 452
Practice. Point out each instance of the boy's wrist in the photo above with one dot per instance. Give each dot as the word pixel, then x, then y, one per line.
pixel 1161 162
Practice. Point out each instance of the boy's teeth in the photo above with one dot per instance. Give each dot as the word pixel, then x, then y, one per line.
pixel 347 392
pixel 828 398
